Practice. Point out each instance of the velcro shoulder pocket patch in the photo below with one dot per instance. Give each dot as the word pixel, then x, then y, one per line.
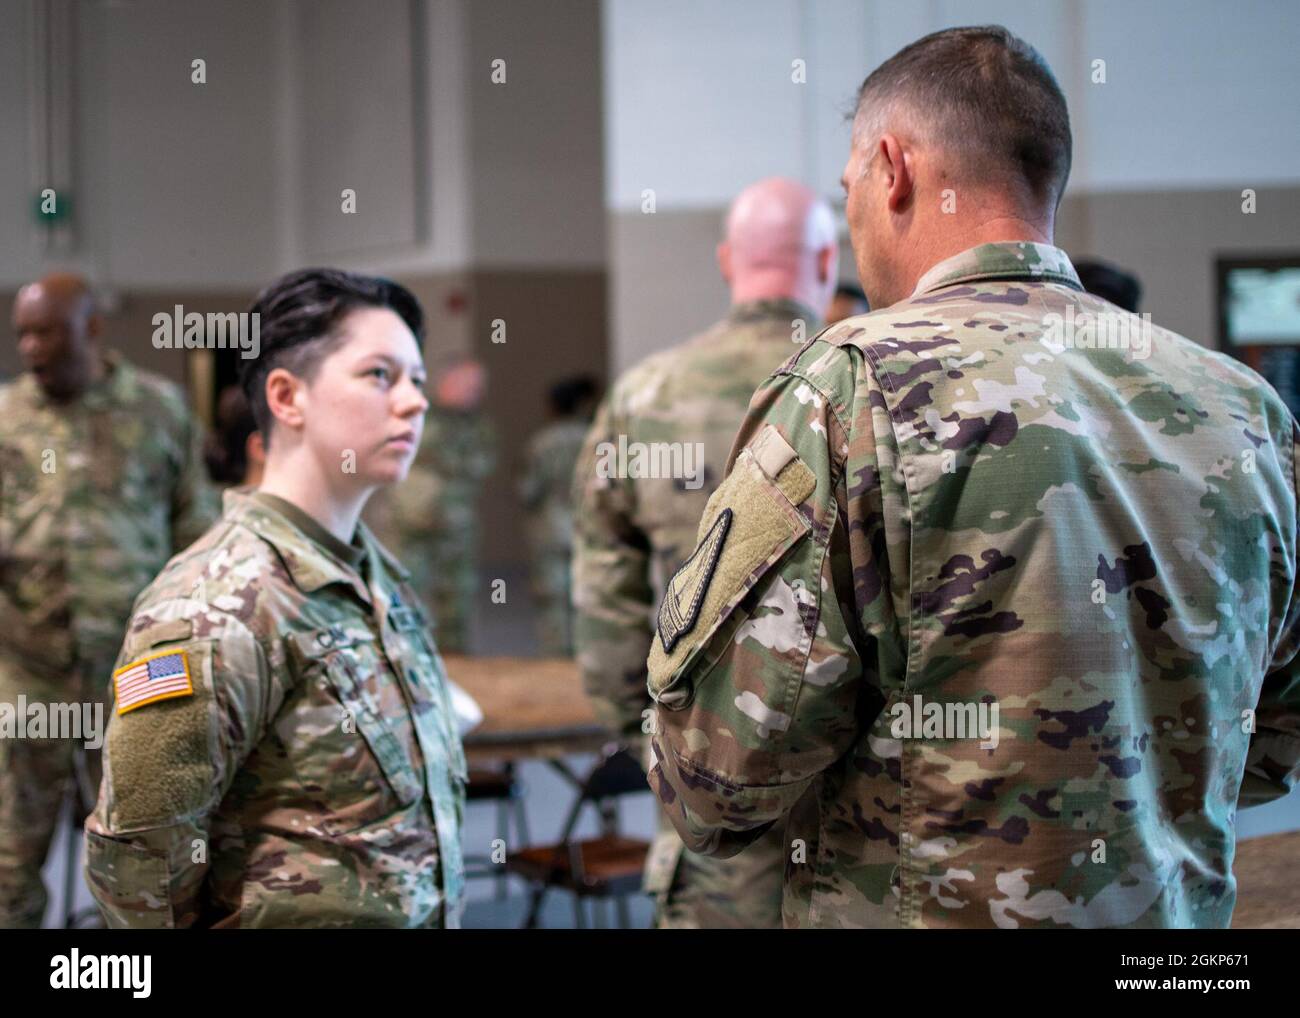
pixel 159 759
pixel 750 523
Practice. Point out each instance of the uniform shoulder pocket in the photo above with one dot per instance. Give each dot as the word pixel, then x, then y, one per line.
pixel 159 751
pixel 750 524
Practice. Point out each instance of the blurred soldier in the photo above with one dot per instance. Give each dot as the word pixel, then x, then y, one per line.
pixel 634 530
pixel 546 491
pixel 1110 283
pixel 999 620
pixel 849 300
pixel 233 450
pixel 283 752
pixel 431 520
pixel 101 481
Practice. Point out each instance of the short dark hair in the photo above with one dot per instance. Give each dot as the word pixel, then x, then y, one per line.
pixel 987 96
pixel 299 313
pixel 852 291
pixel 1111 283
pixel 568 395
pixel 226 448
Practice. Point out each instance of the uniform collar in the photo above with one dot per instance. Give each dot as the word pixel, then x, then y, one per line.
pixel 1016 259
pixel 118 385
pixel 311 564
pixel 775 309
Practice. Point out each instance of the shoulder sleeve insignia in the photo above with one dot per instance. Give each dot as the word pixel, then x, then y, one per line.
pixel 680 607
pixel 160 676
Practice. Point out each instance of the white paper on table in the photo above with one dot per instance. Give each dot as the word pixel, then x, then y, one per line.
pixel 469 715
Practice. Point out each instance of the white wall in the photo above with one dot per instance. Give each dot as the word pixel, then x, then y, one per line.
pixel 1198 95
pixel 699 97
pixel 171 182
pixel 219 186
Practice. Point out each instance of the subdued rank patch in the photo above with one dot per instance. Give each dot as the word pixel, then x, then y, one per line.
pixel 161 676
pixel 403 619
pixel 685 592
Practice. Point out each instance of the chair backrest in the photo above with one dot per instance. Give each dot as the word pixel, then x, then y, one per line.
pixel 618 774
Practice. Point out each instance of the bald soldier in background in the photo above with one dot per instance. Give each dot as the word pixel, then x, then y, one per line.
pixel 101 482
pixel 779 260
pixel 1083 558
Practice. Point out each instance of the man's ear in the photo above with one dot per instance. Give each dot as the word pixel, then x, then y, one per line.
pixel 724 261
pixel 95 326
pixel 898 172
pixel 283 389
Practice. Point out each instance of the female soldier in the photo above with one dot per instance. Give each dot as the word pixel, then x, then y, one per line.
pixel 282 751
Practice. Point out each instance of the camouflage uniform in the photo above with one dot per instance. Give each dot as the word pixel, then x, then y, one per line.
pixel 546 491
pixel 430 520
pixel 95 496
pixel 314 777
pixel 634 532
pixel 936 499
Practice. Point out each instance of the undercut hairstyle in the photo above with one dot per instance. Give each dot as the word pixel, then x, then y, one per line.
pixel 300 315
pixel 985 96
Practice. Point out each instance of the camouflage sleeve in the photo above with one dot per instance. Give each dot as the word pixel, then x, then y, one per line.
pixel 1273 759
pixel 612 596
pixel 195 502
pixel 532 479
pixel 761 647
pixel 486 460
pixel 169 762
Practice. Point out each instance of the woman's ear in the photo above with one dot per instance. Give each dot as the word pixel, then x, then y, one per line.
pixel 283 392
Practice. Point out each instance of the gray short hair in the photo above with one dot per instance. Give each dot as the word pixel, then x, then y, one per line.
pixel 982 94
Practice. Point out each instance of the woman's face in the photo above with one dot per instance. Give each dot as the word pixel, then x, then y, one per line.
pixel 364 408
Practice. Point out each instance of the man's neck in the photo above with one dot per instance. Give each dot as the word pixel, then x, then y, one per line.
pixel 774 285
pixel 96 370
pixel 296 477
pixel 996 230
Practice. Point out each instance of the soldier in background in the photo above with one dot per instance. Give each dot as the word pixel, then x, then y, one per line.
pixel 101 481
pixel 849 300
pixel 431 520
pixel 778 258
pixel 1002 628
pixel 1109 282
pixel 546 492
pixel 283 751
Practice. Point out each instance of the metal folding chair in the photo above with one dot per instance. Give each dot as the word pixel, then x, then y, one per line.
pixel 607 866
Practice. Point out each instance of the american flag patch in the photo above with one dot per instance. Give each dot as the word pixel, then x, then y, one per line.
pixel 159 677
